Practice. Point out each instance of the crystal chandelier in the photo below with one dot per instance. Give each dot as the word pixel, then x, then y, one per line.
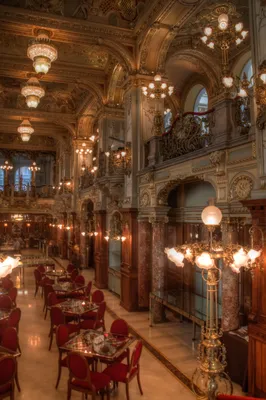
pixel 157 89
pixel 42 52
pixel 17 217
pixel 33 92
pixel 6 166
pixel 222 32
pixel 34 167
pixel 210 377
pixel 25 129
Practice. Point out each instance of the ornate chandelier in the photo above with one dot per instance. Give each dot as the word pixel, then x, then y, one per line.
pixel 17 217
pixel 34 167
pixel 33 92
pixel 157 89
pixel 25 129
pixel 6 166
pixel 210 377
pixel 223 32
pixel 42 52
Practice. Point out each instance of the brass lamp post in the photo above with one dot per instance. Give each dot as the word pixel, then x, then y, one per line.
pixel 210 377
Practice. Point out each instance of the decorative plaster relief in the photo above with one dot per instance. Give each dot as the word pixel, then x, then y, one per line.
pixel 241 187
pixel 145 200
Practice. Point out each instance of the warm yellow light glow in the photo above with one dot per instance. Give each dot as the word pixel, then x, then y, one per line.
pixel 204 261
pixel 204 39
pixel 106 238
pixel 242 93
pixel 228 81
pixel 223 21
pixel 211 216
pixel 263 77
pixel 151 85
pixel 123 238
pixel 42 52
pixel 208 31
pixel 253 254
pixel 157 78
pixel 175 257
pixel 238 41
pixel 96 233
pixel 239 27
pixel 163 85
pixel 33 92
pixel 244 34
pixel 8 265
pixel 211 45
pixel 83 233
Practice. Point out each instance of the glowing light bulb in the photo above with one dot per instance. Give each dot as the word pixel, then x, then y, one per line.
pixel 239 27
pixel 223 22
pixel 175 257
pixel 151 85
pixel 204 39
pixel 208 31
pixel 204 261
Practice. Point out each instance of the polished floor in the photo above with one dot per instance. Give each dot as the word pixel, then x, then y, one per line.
pixel 38 366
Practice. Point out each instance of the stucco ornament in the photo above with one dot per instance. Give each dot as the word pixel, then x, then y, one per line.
pixel 145 200
pixel 241 187
pixel 217 159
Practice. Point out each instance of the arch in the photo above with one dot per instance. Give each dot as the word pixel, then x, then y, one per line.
pixel 193 98
pixel 195 194
pixel 23 173
pixel 240 63
pixel 111 92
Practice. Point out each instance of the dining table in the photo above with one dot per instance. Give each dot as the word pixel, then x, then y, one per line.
pixel 4 314
pixel 76 307
pixel 68 288
pixel 104 346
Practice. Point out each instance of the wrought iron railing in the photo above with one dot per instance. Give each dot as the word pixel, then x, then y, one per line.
pixel 189 132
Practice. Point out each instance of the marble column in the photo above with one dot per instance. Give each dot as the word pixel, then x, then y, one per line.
pixel 158 264
pixel 230 290
pixel 101 251
pixel 144 262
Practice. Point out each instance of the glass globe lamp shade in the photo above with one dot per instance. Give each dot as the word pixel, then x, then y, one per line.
pixel 204 261
pixel 223 22
pixel 253 254
pixel 208 31
pixel 41 65
pixel 163 85
pixel 228 81
pixel 211 216
pixel 163 95
pixel 244 34
pixel 240 258
pixel 151 85
pixel 211 45
pixel 157 78
pixel 25 137
pixel 263 77
pixel 238 41
pixel 204 39
pixel 242 93
pixel 239 27
pixel 175 257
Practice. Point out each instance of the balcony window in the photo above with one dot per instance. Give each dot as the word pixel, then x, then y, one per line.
pixel 25 173
pixel 1 177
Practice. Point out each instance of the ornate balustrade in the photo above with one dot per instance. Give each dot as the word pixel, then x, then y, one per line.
pixel 22 190
pixel 189 132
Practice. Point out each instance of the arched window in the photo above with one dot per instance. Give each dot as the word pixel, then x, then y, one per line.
pixel 25 173
pixel 1 177
pixel 201 102
pixel 167 119
pixel 248 70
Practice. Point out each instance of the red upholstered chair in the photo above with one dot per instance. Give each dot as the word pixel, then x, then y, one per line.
pixel 80 280
pixel 70 268
pixel 5 302
pixel 227 397
pixel 58 318
pixel 118 328
pixel 14 318
pixel 38 281
pixel 47 289
pixel 73 275
pixel 8 367
pixel 83 380
pixel 7 283
pixel 13 292
pixel 62 336
pixel 95 323
pixel 41 268
pixel 10 342
pixel 120 372
pixel 97 298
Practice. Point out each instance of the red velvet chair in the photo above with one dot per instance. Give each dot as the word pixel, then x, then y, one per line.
pixel 13 292
pixel 120 372
pixel 58 318
pixel 14 318
pixel 97 298
pixel 118 328
pixel 7 283
pixel 8 367
pixel 73 275
pixel 62 336
pixel 10 342
pixel 70 268
pixel 41 268
pixel 87 292
pixel 47 289
pixel 227 397
pixel 38 281
pixel 95 323
pixel 5 302
pixel 83 380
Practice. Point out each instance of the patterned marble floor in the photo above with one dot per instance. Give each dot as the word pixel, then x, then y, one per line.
pixel 38 366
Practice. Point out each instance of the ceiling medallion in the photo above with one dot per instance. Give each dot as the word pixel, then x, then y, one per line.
pixel 25 129
pixel 33 92
pixel 42 52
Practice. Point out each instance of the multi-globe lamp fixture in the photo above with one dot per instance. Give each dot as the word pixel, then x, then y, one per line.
pixel 157 89
pixel 210 378
pixel 223 33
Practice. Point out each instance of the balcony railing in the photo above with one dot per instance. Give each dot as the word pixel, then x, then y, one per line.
pixel 189 132
pixel 44 191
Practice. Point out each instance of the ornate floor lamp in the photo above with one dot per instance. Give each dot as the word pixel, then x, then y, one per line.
pixel 210 378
